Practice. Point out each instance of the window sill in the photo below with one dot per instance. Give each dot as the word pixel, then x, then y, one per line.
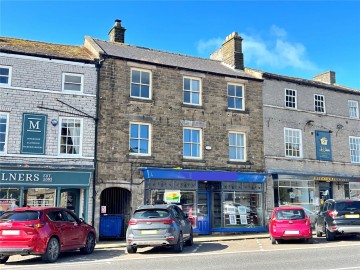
pixel 192 106
pixel 234 162
pixel 193 160
pixel 237 111
pixel 139 157
pixel 145 100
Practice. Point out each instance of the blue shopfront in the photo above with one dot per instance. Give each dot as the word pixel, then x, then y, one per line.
pixel 215 201
pixel 35 187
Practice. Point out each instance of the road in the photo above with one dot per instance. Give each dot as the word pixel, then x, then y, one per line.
pixel 254 254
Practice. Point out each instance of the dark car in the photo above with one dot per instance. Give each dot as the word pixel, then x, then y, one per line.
pixel 290 223
pixel 338 217
pixel 159 225
pixel 44 231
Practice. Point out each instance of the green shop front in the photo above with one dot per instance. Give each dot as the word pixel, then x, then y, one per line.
pixel 30 187
pixel 215 201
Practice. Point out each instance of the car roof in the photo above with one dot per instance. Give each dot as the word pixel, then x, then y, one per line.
pixel 288 207
pixel 155 206
pixel 38 208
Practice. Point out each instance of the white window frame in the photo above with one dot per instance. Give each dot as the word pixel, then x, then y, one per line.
pixel 236 97
pixel 238 147
pixel 73 74
pixel 199 144
pixel 295 97
pixel 191 91
pixel 286 141
pixel 9 76
pixel 61 120
pixel 6 133
pixel 354 147
pixel 139 138
pixel 353 107
pixel 150 83
pixel 316 96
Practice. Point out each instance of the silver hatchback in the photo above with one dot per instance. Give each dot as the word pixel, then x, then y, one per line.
pixel 159 225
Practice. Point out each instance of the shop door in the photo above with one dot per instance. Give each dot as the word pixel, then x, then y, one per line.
pixel 325 191
pixel 70 199
pixel 203 215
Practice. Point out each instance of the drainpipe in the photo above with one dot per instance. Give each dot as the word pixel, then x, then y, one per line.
pixel 98 66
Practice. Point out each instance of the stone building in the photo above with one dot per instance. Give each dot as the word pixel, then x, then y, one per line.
pixel 312 139
pixel 47 125
pixel 179 129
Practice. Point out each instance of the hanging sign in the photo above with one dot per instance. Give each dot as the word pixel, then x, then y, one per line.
pixel 323 145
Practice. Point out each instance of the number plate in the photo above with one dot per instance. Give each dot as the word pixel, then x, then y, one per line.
pixel 352 216
pixel 291 232
pixel 10 232
pixel 149 232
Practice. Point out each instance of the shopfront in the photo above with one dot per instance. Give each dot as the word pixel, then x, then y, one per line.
pixel 215 201
pixel 310 191
pixel 65 188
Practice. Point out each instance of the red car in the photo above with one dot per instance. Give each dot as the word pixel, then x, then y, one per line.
pixel 44 231
pixel 290 222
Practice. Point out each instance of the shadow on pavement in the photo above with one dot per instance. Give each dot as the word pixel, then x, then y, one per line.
pixel 200 248
pixel 66 257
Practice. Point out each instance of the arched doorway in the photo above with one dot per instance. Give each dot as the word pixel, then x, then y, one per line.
pixel 114 212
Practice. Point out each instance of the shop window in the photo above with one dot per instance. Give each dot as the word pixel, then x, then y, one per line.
pixel 354 190
pixel 242 209
pixel 186 200
pixel 40 197
pixel 9 199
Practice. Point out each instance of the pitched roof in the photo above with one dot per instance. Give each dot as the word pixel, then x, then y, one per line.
pixel 147 55
pixel 334 87
pixel 43 49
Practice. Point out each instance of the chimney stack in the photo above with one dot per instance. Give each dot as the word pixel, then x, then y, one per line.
pixel 117 32
pixel 231 52
pixel 326 77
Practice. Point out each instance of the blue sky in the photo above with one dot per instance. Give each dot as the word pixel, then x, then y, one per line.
pixel 292 38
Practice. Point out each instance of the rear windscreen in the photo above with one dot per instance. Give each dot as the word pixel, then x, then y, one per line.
pixel 20 216
pixel 290 214
pixel 151 213
pixel 348 206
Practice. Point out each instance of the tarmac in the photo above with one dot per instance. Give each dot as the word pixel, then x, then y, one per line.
pixel 107 244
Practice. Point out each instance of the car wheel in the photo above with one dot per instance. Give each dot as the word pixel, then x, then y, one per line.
pixel 131 249
pixel 273 240
pixel 3 259
pixel 89 245
pixel 52 251
pixel 190 241
pixel 318 232
pixel 178 247
pixel 330 236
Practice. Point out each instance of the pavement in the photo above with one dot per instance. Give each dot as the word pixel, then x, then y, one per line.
pixel 197 239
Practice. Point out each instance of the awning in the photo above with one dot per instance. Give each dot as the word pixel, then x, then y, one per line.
pixel 202 175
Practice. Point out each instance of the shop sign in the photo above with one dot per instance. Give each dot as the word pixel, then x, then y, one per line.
pixel 33 135
pixel 323 145
pixel 172 196
pixel 45 178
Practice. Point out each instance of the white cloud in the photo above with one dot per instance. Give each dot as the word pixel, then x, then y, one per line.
pixel 206 47
pixel 276 52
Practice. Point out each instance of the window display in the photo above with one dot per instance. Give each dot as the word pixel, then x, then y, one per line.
pixel 9 198
pixel 40 197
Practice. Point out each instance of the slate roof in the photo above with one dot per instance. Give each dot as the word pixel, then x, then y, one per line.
pixel 147 55
pixel 334 87
pixel 43 49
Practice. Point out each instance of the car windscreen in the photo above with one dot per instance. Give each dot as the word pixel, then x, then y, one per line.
pixel 348 206
pixel 290 214
pixel 20 216
pixel 151 213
